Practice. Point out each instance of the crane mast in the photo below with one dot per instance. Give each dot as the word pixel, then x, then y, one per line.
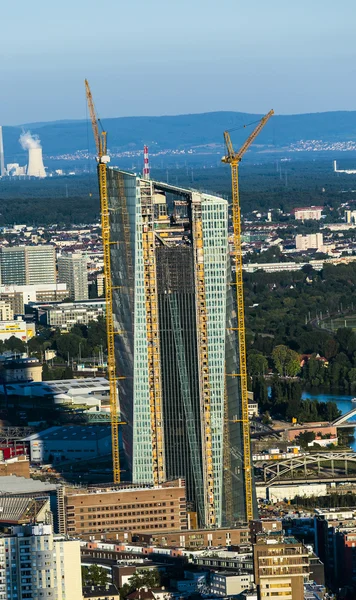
pixel 233 159
pixel 103 159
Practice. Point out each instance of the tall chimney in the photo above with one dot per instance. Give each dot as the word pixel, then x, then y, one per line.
pixel 35 163
pixel 146 164
pixel 2 158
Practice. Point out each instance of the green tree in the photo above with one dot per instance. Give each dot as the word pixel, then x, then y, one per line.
pixel 347 340
pixel 94 575
pixel 149 578
pixel 70 344
pixel 305 438
pixel 257 364
pixel 286 361
pixel 260 392
pixel 15 345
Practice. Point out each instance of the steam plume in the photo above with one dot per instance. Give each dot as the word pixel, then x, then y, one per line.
pixel 28 141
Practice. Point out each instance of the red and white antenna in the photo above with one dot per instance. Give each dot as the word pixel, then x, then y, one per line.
pixel 146 164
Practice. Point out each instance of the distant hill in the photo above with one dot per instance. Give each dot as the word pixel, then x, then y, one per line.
pixel 183 132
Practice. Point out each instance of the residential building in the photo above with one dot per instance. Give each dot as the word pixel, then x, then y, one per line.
pixel 281 566
pixel 335 544
pixel 350 216
pixel 230 584
pixel 14 299
pixel 110 510
pixel 308 213
pixel 70 442
pixel 197 538
pixel 28 265
pixel 267 526
pixel 314 591
pixel 101 592
pixel 73 270
pixel 310 241
pixel 6 312
pixel 225 560
pixel 252 407
pixel 65 315
pixel 37 564
pixel 175 310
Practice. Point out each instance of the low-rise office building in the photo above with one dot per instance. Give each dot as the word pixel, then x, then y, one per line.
pixel 65 315
pixel 19 295
pixel 230 584
pixel 132 508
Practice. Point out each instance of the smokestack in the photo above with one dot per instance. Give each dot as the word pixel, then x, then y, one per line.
pixel 2 158
pixel 146 165
pixel 35 162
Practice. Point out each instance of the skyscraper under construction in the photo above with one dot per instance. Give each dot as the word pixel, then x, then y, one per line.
pixel 176 346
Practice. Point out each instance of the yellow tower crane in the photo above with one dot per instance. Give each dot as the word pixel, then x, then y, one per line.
pixel 233 159
pixel 103 159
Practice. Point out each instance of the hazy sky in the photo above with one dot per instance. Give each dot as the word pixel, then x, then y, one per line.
pixel 154 57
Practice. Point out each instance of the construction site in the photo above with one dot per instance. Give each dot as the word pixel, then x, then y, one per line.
pixel 176 336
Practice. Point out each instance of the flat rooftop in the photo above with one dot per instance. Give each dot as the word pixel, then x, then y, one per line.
pixel 125 488
pixel 10 484
pixel 73 433
pixel 65 386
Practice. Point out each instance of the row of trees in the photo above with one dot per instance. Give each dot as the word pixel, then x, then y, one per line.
pixel 284 401
pixel 83 340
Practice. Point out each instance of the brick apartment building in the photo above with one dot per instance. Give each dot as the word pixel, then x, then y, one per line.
pixel 196 538
pixel 109 510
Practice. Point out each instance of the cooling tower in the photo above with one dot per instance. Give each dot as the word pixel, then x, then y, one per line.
pixel 35 163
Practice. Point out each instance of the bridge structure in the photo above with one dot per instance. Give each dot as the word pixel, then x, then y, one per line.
pixel 345 417
pixel 320 466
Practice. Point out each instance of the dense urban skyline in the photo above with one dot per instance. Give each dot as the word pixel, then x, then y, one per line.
pixel 295 57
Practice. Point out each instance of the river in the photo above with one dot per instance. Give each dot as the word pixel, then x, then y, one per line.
pixel 343 403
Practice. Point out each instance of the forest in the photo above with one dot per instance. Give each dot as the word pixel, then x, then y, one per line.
pixel 288 350
pixel 267 184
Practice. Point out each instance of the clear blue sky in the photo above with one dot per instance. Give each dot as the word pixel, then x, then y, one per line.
pixel 157 57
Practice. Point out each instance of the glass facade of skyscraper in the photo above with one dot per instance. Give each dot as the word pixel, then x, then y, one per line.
pixel 176 345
